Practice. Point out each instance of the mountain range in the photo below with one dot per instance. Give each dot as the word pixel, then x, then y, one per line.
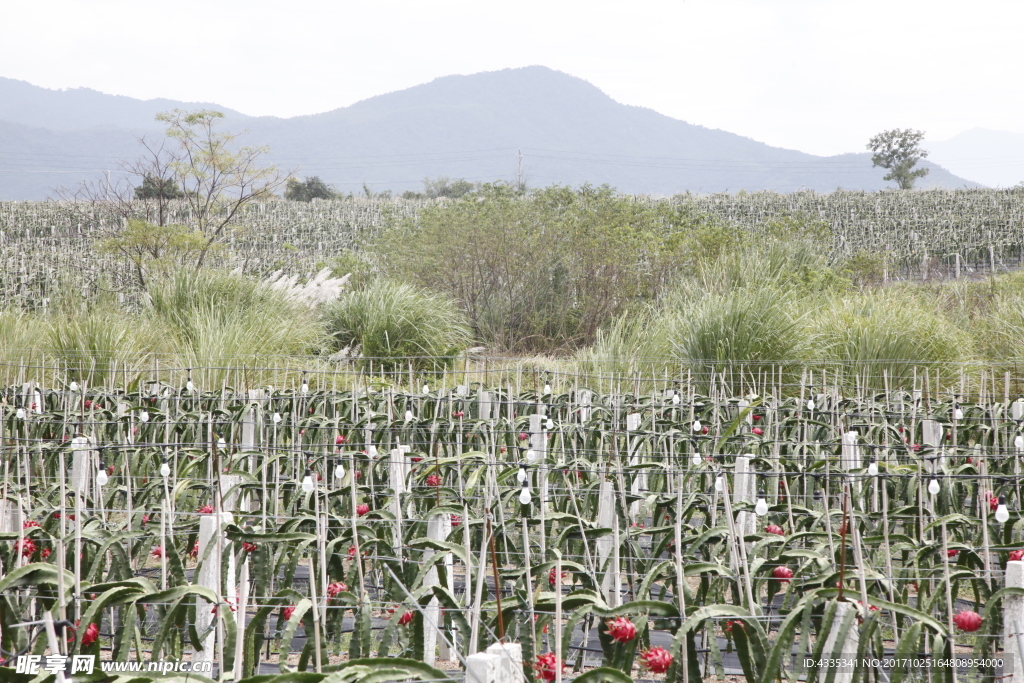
pixel 483 127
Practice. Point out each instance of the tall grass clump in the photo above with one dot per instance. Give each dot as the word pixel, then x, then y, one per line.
pixel 392 322
pixel 743 333
pixel 630 344
pixel 871 334
pixel 218 319
pixel 21 335
pixel 94 344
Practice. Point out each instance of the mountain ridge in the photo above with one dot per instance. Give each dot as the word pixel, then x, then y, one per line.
pixel 473 127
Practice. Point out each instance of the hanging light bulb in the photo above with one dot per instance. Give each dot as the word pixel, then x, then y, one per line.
pixel 277 418
pixel 221 442
pixel 521 474
pixel 307 481
pixel 873 468
pixel 371 451
pixel 1018 441
pixel 696 425
pixel 549 425
pixel 339 472
pixel 547 388
pixel 695 459
pixel 165 469
pixel 810 404
pixel 761 508
pixel 1002 514
pixel 189 386
pixel 144 416
pixel 73 386
pixel 408 415
pixel 525 496
pixel 20 413
pixel 101 476
pixel 957 413
pixel 718 483
pixel 933 487
pixel 426 389
pixel 675 399
pixel 531 454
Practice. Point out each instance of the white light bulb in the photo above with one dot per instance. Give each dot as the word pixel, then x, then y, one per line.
pixel 547 388
pixel 1018 441
pixel 531 454
pixel 144 416
pixel 958 414
pixel 873 469
pixel 696 425
pixel 549 425
pixel 307 483
pixel 761 508
pixel 408 415
pixel 165 469
pixel 101 477
pixel 339 471
pixel 276 418
pixel 810 404
pixel 521 475
pixel 372 451
pixel 933 486
pixel 675 399
pixel 525 496
pixel 1002 514
pixel 73 386
pixel 20 413
pixel 305 388
pixel 189 386
pixel 221 442
pixel 695 459
pixel 718 483
pixel 426 389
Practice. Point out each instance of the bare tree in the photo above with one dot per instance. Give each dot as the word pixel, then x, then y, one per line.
pixel 197 174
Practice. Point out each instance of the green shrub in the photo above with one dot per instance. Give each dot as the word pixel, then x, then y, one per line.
pixel 872 334
pixel 223 319
pixel 745 332
pixel 94 344
pixel 392 323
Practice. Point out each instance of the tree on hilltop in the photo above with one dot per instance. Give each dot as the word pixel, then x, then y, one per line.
pixel 899 150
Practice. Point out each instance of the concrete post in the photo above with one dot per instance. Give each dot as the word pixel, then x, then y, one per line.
pixel 605 520
pixel 438 528
pixel 210 575
pixel 745 491
pixel 482 668
pixel 1013 622
pixel 511 667
pixel 849 647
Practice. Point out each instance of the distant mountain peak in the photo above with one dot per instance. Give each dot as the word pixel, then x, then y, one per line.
pixel 461 126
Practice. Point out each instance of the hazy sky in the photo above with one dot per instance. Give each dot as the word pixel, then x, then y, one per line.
pixel 821 76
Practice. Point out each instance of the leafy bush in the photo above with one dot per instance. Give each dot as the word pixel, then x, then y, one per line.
pixel 548 271
pixel 392 322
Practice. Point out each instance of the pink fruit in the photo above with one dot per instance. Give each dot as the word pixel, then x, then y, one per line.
pixel 967 621
pixel 621 629
pixel 783 574
pixel 656 660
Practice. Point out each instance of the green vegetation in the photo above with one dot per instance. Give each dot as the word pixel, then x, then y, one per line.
pixel 579 275
pixel 308 189
pixel 898 151
pixel 390 322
